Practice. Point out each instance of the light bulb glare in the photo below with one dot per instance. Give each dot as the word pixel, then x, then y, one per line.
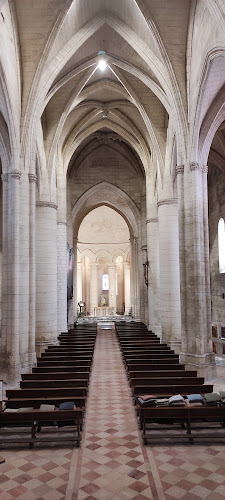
pixel 102 65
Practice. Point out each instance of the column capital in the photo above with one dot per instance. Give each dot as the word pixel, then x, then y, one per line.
pixel 134 239
pixel 112 265
pixel 15 174
pixel 180 169
pixel 194 165
pixel 46 204
pixel 152 219
pixel 168 201
pixel 32 178
pixel 93 264
pixel 62 223
pixel 5 177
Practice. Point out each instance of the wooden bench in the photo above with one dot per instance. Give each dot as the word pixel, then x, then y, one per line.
pixel 56 364
pixel 133 366
pixel 35 402
pixel 55 375
pixel 172 381
pixel 44 393
pixel 40 383
pixel 67 354
pixel 171 389
pixel 146 374
pixel 194 423
pixel 25 427
pixel 84 367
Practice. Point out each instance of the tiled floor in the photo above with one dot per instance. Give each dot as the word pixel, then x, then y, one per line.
pixel 112 463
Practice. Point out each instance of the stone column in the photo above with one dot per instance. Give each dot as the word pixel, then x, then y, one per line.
pixel 4 337
pixel 169 273
pixel 152 227
pixel 182 249
pixel 12 357
pixel 32 271
pixel 46 269
pixel 75 299
pixel 153 276
pixel 112 286
pixel 93 287
pixel 79 281
pixel 126 268
pixel 135 292
pixel 61 253
pixel 196 332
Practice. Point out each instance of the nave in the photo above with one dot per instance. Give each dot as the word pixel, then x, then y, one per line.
pixel 112 463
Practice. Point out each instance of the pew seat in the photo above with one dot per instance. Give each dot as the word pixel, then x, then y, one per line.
pixel 193 423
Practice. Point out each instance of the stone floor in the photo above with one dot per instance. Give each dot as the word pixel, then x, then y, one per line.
pixel 112 463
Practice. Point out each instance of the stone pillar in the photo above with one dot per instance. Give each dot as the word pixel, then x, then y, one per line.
pixel 32 271
pixel 135 292
pixel 4 337
pixel 152 227
pixel 61 253
pixel 153 276
pixel 196 332
pixel 93 287
pixel 46 269
pixel 112 286
pixel 75 300
pixel 11 360
pixel 79 281
pixel 126 268
pixel 169 273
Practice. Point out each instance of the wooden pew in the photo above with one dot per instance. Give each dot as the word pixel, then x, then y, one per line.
pixel 55 375
pixel 84 367
pixel 53 392
pixel 146 374
pixel 56 383
pixel 55 364
pixel 35 402
pixel 192 421
pixel 30 422
pixel 171 389
pixel 160 380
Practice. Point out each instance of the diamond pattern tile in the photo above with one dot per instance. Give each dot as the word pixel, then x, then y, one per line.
pixel 112 463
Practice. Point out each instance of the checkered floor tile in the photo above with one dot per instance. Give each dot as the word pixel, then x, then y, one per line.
pixel 112 463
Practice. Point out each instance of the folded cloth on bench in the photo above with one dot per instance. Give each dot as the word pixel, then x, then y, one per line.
pixel 11 410
pixel 45 407
pixel 195 398
pixel 192 405
pixel 147 402
pixel 149 396
pixel 162 401
pixel 68 405
pixel 28 408
pixel 212 398
pixel 176 400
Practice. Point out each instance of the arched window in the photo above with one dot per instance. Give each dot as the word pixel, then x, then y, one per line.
pixel 105 282
pixel 221 244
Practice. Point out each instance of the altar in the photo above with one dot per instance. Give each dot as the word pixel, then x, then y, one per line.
pixel 104 311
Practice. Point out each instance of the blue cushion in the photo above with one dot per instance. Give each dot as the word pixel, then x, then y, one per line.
pixel 68 405
pixel 195 398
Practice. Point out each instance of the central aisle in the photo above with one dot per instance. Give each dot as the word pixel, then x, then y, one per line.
pixel 112 463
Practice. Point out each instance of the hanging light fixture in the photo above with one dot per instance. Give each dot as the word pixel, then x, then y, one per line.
pixel 102 64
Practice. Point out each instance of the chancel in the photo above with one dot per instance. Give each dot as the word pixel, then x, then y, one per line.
pixel 112 210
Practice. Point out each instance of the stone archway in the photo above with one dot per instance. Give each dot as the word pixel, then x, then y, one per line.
pixel 109 195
